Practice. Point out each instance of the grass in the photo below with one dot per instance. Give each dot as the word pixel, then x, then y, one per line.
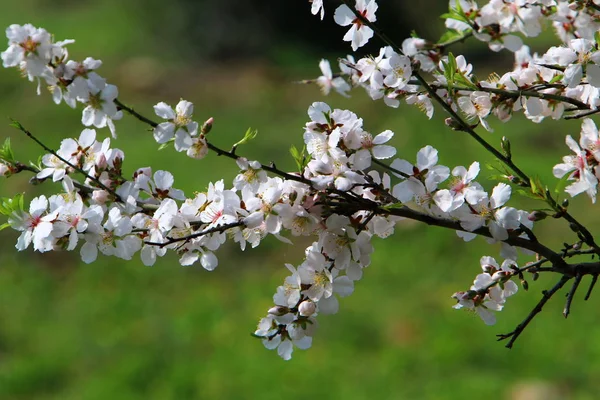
pixel 120 330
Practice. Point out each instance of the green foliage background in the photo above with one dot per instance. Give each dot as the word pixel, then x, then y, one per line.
pixel 120 330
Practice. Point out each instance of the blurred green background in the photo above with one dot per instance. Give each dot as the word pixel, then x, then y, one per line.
pixel 120 330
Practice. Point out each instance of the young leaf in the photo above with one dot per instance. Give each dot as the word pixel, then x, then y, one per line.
pixel 248 136
pixel 6 153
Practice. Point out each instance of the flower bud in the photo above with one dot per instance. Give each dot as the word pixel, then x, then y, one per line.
pixel 207 126
pixel 307 308
pixel 537 216
pixel 278 311
pixel 4 170
pixel 100 196
pixel 450 122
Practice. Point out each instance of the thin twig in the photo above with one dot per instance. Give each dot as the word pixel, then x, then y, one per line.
pixel 135 114
pixel 547 295
pixel 390 168
pixel 19 126
pixel 583 114
pixel 591 288
pixel 576 282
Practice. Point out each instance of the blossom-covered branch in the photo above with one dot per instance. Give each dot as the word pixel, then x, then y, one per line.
pixel 351 185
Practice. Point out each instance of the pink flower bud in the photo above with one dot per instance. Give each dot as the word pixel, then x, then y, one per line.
pixel 207 126
pixel 100 196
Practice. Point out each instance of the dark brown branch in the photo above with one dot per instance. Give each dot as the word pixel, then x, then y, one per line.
pixel 139 116
pixel 583 114
pixel 187 238
pixel 576 282
pixel 515 94
pixel 591 288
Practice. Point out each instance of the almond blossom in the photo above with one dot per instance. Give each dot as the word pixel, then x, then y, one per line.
pixel 359 34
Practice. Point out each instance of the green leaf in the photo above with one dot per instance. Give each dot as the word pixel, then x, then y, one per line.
pixel 561 184
pixel 458 8
pixel 4 226
pixel 527 193
pixel 392 206
pixel 556 78
pixel 16 124
pixel 8 205
pixel 248 136
pixel 450 35
pixel 299 157
pixel 6 153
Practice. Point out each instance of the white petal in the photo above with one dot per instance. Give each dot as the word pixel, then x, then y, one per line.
pixel 384 151
pixel 383 137
pixel 343 15
pixel 500 195
pixel 593 75
pixel 164 111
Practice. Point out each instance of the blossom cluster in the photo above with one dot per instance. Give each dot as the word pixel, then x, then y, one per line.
pixel 583 166
pixel 540 86
pixel 489 290
pixel 33 51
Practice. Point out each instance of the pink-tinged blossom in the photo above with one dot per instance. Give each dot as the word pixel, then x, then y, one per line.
pixel 491 213
pixel 35 226
pixel 489 290
pixel 578 169
pixel 462 187
pixel 359 34
pixel 28 47
pixel 373 147
pixel 70 222
pixel 590 139
pixel 162 186
pixel 425 170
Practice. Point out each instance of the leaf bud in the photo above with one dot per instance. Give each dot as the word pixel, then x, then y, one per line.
pixel 505 144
